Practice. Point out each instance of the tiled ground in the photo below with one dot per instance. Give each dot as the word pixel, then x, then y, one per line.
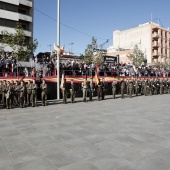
pixel 121 134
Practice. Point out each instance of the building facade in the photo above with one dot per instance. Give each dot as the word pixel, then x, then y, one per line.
pixel 151 38
pixel 13 11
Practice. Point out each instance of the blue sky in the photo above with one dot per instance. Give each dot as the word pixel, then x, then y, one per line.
pixel 96 18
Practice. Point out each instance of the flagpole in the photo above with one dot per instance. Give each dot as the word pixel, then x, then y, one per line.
pixel 58 53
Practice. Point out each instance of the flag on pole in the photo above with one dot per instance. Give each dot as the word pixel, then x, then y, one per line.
pixel 62 80
pixel 96 75
pixel 56 48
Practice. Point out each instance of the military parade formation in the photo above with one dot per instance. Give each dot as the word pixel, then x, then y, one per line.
pixel 23 94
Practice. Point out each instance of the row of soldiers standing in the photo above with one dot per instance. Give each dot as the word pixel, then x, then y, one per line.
pixel 129 87
pixel 20 93
pixel 144 86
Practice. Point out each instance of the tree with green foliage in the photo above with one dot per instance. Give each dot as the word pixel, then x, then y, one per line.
pixel 91 55
pixel 17 41
pixel 137 57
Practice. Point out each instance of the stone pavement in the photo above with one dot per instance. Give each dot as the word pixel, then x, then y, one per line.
pixel 121 134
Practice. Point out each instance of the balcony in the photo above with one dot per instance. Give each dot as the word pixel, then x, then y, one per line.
pixel 12 30
pixel 155 54
pixel 155 29
pixel 26 3
pixel 155 45
pixel 155 36
pixel 25 18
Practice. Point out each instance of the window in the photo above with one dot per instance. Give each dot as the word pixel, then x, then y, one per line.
pixel 10 23
pixel 10 7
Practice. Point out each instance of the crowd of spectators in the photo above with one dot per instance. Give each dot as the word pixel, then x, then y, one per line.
pixel 48 67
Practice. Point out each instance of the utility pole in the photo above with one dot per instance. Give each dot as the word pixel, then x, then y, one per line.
pixel 58 53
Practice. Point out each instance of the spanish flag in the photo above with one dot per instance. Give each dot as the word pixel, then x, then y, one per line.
pixel 62 80
pixel 57 48
pixel 96 75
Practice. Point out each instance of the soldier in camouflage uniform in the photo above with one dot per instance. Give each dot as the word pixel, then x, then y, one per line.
pixel 8 95
pixel 44 93
pixel 130 88
pixel 28 87
pixel 21 91
pixel 122 87
pixel 114 88
pixel 103 88
pixel 4 93
pixel 34 94
pixel 72 91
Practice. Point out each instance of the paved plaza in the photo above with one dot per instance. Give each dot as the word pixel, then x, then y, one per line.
pixel 120 134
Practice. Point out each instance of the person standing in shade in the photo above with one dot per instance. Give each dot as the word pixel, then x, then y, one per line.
pixel 114 84
pixel 72 91
pixel 84 88
pixel 0 91
pixel 44 93
pixel 99 90
pixel 8 95
pixel 91 89
pixel 122 87
pixel 103 88
pixel 16 93
pixel 4 93
pixel 34 93
pixel 168 86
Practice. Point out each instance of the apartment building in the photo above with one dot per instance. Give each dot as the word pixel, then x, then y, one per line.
pixel 13 11
pixel 150 37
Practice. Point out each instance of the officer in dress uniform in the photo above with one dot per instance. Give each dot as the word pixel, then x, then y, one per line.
pixel 72 91
pixel 114 88
pixel 84 88
pixel 34 93
pixel 44 93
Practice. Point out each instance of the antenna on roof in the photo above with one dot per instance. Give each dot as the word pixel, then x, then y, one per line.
pixel 151 16
pixel 158 20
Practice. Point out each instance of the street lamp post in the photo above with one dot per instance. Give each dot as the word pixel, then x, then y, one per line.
pixel 58 53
